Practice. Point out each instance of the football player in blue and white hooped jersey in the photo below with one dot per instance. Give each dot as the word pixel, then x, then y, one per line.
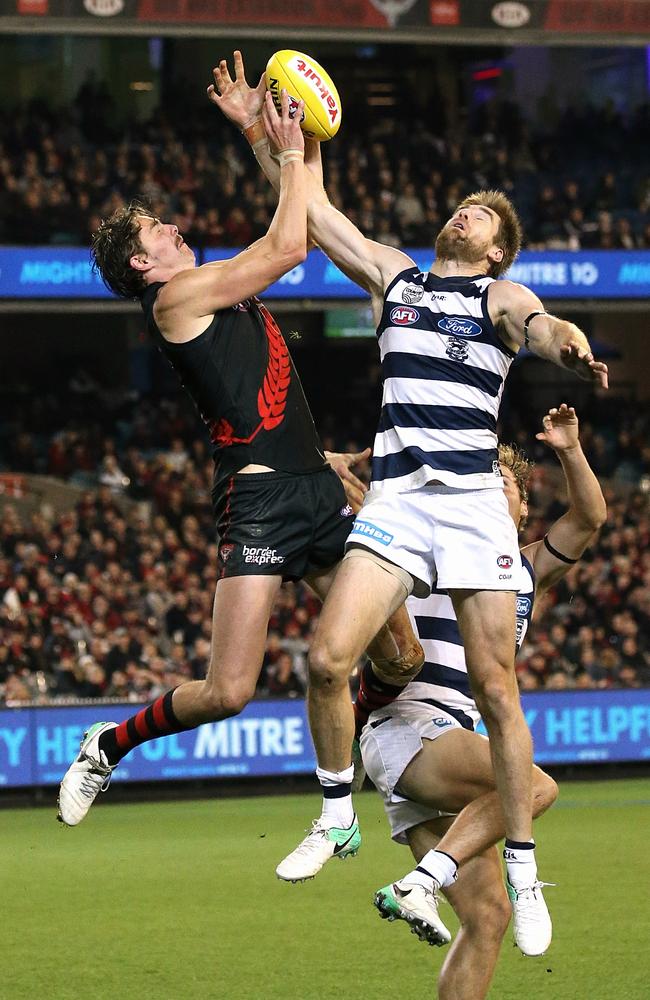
pixel 436 511
pixel 419 772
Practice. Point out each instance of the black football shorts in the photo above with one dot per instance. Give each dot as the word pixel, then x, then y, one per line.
pixel 281 524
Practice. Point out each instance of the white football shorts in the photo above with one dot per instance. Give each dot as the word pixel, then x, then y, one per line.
pixel 390 740
pixel 444 537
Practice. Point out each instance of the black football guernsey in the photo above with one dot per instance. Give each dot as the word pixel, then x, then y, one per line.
pixel 242 379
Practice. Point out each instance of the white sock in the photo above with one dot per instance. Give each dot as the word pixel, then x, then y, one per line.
pixel 435 871
pixel 520 863
pixel 337 808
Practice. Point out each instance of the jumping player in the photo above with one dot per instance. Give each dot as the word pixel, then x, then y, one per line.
pixel 281 510
pixel 436 511
pixel 422 754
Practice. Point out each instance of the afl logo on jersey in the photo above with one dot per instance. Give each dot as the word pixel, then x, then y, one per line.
pixel 505 562
pixel 459 326
pixel 404 315
pixel 523 606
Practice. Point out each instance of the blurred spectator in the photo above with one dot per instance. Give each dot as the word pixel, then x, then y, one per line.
pixel 112 597
pixel 396 176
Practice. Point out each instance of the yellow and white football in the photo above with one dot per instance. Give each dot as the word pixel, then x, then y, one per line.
pixel 304 78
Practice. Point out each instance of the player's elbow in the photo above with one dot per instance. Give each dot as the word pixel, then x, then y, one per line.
pixel 289 256
pixel 288 245
pixel 591 521
pixel 598 517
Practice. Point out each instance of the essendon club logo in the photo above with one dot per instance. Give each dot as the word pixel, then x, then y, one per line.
pixel 505 562
pixel 225 552
pixel 404 315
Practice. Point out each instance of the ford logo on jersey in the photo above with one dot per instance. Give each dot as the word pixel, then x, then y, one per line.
pixel 459 326
pixel 404 315
pixel 523 606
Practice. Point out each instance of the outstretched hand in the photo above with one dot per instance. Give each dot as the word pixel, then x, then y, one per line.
pixel 283 127
pixel 581 361
pixel 560 428
pixel 239 102
pixel 342 462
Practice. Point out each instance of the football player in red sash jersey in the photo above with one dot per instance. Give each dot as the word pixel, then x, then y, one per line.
pixel 281 511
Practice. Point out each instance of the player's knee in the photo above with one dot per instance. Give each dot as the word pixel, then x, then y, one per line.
pixel 545 792
pixel 328 667
pixel 496 696
pixel 223 703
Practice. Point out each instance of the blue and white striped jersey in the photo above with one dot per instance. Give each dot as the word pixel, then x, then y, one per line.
pixel 443 679
pixel 444 367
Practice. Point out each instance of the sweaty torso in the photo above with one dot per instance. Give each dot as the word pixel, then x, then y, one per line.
pixel 242 379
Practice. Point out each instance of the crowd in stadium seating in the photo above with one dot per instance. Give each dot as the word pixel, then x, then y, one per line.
pixel 112 596
pixel 579 180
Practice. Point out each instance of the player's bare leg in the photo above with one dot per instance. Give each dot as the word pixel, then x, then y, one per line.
pixel 454 774
pixel 242 607
pixel 362 598
pixel 481 904
pixel 486 620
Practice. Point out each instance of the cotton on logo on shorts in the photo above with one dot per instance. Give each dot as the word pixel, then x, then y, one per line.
pixel 371 531
pixel 505 562
pixel 261 555
pixel 441 723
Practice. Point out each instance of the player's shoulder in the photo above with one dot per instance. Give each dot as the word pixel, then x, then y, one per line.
pixel 504 288
pixel 402 269
pixel 505 292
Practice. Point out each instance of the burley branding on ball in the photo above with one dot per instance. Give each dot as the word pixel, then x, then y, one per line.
pixel 303 77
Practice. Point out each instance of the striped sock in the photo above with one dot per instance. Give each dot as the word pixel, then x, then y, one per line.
pixel 153 721
pixel 373 693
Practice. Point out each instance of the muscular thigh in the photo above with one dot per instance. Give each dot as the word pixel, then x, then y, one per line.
pixel 487 623
pixel 449 771
pixel 242 607
pixel 361 598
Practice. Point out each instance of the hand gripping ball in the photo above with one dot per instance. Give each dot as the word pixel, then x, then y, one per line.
pixel 303 77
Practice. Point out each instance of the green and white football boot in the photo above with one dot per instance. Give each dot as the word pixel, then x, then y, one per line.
pixel 88 775
pixel 320 844
pixel 417 906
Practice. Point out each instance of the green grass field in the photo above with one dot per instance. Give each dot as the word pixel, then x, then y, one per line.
pixel 179 900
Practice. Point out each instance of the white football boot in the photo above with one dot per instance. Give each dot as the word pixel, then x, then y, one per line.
pixel 320 844
pixel 88 775
pixel 531 920
pixel 417 906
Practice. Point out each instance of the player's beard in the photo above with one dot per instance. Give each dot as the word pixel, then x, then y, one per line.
pixel 452 244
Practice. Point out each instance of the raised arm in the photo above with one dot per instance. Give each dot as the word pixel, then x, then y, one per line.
pixel 523 320
pixel 371 265
pixel 197 293
pixel 571 534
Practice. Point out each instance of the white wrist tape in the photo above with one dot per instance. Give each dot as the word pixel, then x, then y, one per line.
pixel 290 156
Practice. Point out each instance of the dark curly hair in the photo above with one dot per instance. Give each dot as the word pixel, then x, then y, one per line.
pixel 114 243
pixel 508 238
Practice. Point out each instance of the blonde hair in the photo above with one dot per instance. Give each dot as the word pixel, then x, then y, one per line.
pixel 508 237
pixel 521 467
